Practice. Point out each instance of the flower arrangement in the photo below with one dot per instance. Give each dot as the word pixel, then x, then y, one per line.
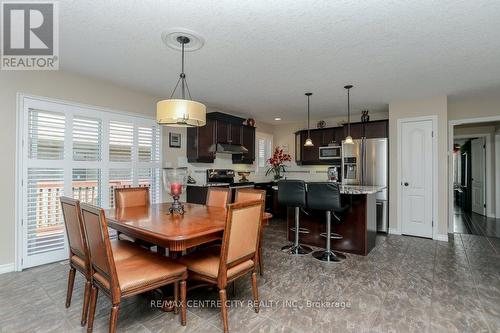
pixel 277 163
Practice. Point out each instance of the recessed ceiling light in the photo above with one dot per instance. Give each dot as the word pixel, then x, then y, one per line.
pixel 277 118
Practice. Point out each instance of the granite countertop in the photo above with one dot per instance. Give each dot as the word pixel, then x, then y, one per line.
pixel 355 189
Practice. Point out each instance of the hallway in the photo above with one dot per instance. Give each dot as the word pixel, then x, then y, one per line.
pixel 475 224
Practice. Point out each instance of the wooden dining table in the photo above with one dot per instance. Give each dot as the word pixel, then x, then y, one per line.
pixel 154 224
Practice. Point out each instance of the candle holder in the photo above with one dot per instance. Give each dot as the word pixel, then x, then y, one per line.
pixel 174 181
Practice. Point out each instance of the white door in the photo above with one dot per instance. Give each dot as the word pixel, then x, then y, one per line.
pixel 416 178
pixel 478 175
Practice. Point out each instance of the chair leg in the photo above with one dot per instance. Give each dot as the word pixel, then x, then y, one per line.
pixel 255 292
pixel 176 297
pixel 71 282
pixel 86 299
pixel 93 300
pixel 183 302
pixel 223 300
pixel 261 264
pixel 113 318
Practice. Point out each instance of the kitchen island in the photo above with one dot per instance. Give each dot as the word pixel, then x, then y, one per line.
pixel 358 225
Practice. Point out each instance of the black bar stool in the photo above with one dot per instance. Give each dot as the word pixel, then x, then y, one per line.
pixel 326 196
pixel 292 193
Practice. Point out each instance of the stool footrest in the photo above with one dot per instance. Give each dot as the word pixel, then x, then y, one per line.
pixel 301 230
pixel 332 235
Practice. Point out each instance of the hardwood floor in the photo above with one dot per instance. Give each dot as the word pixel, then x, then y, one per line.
pixel 475 224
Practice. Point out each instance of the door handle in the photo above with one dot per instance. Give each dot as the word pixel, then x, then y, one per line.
pixel 406 184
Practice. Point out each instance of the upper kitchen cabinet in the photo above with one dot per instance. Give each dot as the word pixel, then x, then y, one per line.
pixel 376 129
pixel 224 129
pixel 334 135
pixel 248 141
pixel 199 140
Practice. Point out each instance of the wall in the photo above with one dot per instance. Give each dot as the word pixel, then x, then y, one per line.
pixel 405 109
pixel 480 105
pixel 469 131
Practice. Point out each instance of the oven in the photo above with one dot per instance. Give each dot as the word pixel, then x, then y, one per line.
pixel 330 153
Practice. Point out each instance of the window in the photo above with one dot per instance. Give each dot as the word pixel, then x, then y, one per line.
pixel 83 153
pixel 264 144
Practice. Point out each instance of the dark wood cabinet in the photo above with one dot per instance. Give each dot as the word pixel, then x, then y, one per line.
pixel 199 141
pixel 220 128
pixel 357 130
pixel 325 136
pixel 376 129
pixel 247 135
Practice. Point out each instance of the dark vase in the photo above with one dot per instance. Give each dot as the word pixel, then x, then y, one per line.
pixel 365 117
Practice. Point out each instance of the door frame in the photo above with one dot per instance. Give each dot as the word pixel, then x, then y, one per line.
pixel 399 193
pixel 451 137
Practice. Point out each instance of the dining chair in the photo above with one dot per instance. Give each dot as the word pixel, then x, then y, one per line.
pixel 236 257
pixel 126 197
pixel 119 279
pixel 79 259
pixel 250 194
pixel 218 196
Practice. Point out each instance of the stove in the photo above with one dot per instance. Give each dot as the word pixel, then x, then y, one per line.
pixel 225 177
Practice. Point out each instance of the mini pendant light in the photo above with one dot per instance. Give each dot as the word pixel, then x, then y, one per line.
pixel 348 138
pixel 308 142
pixel 181 112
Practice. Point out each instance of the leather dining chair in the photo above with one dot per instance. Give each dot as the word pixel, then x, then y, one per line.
pixel 79 259
pixel 236 257
pixel 131 197
pixel 249 194
pixel 126 197
pixel 218 196
pixel 119 279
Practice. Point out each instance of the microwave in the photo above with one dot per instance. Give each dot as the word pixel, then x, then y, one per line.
pixel 330 153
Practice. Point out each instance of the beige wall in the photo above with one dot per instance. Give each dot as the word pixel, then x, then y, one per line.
pixel 436 106
pixel 474 106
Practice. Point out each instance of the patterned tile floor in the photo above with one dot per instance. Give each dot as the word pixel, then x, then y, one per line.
pixel 406 284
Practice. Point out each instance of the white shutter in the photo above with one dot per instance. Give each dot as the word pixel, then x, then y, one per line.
pixel 87 186
pixel 121 141
pixel 262 153
pixel 45 225
pixel 148 144
pixel 150 177
pixel 87 139
pixel 46 135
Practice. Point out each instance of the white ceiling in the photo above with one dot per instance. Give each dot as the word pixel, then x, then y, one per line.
pixel 260 56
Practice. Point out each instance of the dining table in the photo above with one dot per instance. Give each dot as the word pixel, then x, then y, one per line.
pixel 198 225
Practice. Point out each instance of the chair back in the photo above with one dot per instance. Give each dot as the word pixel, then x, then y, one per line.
pixel 323 196
pixel 241 234
pixel 249 194
pixel 74 228
pixel 292 193
pixel 131 197
pixel 101 255
pixel 218 196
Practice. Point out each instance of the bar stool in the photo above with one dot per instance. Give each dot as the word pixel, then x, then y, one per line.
pixel 292 193
pixel 326 196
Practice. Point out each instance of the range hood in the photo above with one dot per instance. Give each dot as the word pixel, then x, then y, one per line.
pixel 227 148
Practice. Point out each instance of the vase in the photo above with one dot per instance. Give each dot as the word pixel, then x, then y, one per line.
pixel 174 181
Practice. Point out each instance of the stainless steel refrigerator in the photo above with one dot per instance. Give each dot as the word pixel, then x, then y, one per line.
pixel 365 162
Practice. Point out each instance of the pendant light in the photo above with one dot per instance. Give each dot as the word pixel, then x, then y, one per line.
pixel 181 112
pixel 348 138
pixel 308 142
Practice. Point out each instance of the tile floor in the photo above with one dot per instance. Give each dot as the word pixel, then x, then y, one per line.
pixel 406 284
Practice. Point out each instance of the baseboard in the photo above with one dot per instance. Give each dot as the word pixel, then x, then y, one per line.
pixel 6 268
pixel 491 216
pixel 394 231
pixel 442 238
